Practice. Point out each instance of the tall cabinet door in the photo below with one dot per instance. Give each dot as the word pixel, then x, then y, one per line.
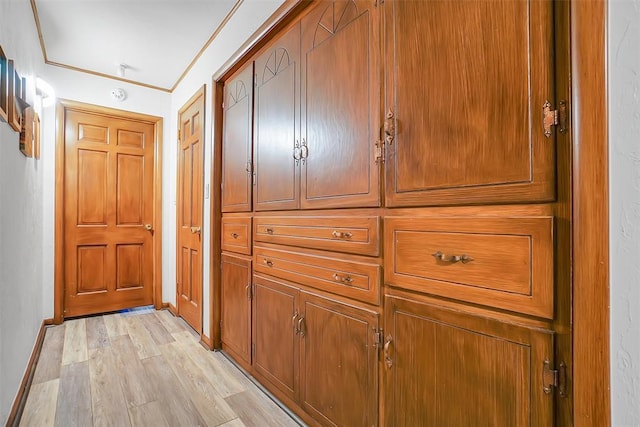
pixel 466 82
pixel 340 105
pixel 339 381
pixel 277 124
pixel 237 169
pixel 444 368
pixel 236 306
pixel 275 334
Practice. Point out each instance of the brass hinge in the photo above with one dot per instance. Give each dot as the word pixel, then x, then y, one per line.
pixel 379 151
pixel 378 337
pixel 179 135
pixel 554 378
pixel 554 117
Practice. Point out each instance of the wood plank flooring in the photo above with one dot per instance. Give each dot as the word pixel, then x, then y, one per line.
pixel 143 368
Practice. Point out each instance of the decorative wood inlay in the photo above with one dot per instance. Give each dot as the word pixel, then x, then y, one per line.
pixel 278 61
pixel 237 92
pixel 337 16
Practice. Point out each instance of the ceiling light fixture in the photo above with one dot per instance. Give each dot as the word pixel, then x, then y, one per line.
pixel 118 94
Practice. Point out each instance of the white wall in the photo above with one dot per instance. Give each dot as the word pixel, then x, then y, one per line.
pixel 21 217
pixel 244 22
pixel 624 167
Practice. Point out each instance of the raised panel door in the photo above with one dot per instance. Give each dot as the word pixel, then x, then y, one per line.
pixel 340 105
pixel 338 372
pixel 236 307
pixel 466 82
pixel 237 134
pixel 277 124
pixel 276 334
pixel 445 368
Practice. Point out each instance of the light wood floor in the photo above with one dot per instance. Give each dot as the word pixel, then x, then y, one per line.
pixel 140 369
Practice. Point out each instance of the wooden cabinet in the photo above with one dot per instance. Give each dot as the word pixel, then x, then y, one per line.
pixel 340 105
pixel 237 175
pixel 317 351
pixel 236 234
pixel 443 367
pixel 277 124
pixel 236 307
pixel 466 83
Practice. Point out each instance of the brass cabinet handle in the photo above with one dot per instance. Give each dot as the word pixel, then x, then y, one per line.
pixel 248 290
pixel 304 151
pixel 297 152
pixel 268 230
pixel 249 168
pixel 389 127
pixel 148 227
pixel 341 235
pixel 296 331
pixel 347 280
pixel 269 263
pixel 235 235
pixel 302 328
pixel 387 355
pixel 196 230
pixel 439 256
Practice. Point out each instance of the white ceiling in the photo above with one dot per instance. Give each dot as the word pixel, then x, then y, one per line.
pixel 156 39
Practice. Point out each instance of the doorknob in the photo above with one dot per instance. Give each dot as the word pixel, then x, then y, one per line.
pixel 195 230
pixel 148 227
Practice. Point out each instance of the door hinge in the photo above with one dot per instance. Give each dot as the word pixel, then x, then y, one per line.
pixel 554 378
pixel 379 151
pixel 554 117
pixel 179 135
pixel 378 337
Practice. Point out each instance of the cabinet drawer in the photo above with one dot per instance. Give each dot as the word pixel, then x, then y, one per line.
pixel 236 234
pixel 352 279
pixel 499 262
pixel 358 235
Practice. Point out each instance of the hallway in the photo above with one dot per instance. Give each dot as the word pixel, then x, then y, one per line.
pixel 140 368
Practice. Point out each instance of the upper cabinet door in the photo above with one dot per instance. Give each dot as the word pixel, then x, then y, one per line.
pixel 277 124
pixel 237 141
pixel 340 105
pixel 466 82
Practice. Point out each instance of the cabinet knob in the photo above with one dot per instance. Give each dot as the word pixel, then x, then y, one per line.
pixel 148 227
pixel 341 235
pixel 235 235
pixel 268 230
pixel 347 280
pixel 268 262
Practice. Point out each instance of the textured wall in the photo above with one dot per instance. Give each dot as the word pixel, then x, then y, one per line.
pixel 624 163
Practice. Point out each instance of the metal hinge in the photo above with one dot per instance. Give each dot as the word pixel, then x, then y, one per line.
pixel 378 337
pixel 554 378
pixel 554 117
pixel 379 151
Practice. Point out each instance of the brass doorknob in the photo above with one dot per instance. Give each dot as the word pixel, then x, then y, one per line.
pixel 195 230
pixel 148 227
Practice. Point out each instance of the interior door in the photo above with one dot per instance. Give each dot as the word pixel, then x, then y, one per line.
pixel 340 105
pixel 108 221
pixel 277 120
pixel 189 207
pixel 466 84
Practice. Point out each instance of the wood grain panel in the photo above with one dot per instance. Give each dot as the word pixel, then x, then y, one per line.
pixel 130 139
pixel 91 275
pixel 236 306
pixel 130 266
pixel 92 187
pixel 468 125
pixel 440 360
pixel 92 133
pixel 107 399
pixel 353 234
pixel 275 317
pixel 357 280
pixel 236 234
pixel 131 189
pixel 339 102
pixel 511 264
pixel 75 410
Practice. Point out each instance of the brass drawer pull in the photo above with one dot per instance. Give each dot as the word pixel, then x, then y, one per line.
pixel 302 328
pixel 296 331
pixel 347 280
pixel 235 235
pixel 341 235
pixel 268 230
pixel 387 355
pixel 269 263
pixel 439 256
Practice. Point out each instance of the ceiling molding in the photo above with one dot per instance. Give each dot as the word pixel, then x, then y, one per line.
pixel 215 33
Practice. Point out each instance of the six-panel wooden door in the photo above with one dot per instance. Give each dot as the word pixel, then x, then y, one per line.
pixel 466 83
pixel 108 205
pixel 189 207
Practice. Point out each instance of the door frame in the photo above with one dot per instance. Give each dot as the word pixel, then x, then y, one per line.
pixel 58 286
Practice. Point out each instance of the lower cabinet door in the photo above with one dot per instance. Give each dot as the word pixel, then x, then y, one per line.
pixel 236 307
pixel 446 368
pixel 275 334
pixel 339 381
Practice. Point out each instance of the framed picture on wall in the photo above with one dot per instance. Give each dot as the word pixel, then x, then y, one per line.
pixel 36 135
pixel 4 86
pixel 16 101
pixel 26 133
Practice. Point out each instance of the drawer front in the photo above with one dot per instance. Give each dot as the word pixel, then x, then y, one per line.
pixel 236 235
pixel 499 262
pixel 357 235
pixel 357 280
